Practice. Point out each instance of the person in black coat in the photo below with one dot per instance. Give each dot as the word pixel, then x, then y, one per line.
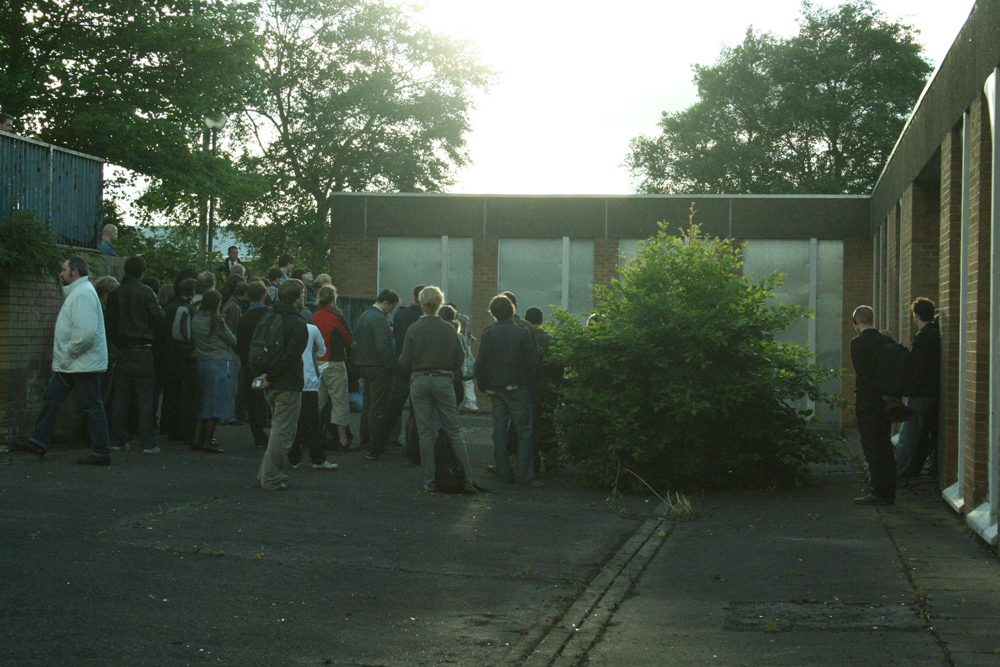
pixel 869 405
pixel 505 368
pixel 254 400
pixel 918 435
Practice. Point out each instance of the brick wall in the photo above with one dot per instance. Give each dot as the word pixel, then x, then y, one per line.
pixel 29 306
pixel 485 264
pixel 977 362
pixel 858 259
pixel 919 248
pixel 949 306
pixel 354 265
pixel 891 314
pixel 605 261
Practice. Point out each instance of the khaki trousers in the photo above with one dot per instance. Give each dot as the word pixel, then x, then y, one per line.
pixel 285 408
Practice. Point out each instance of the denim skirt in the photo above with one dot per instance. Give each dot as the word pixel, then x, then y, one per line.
pixel 216 401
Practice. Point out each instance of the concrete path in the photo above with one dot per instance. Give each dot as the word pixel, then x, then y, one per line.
pixel 181 559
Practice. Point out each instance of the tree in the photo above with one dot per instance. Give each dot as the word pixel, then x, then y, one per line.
pixel 815 113
pixel 128 80
pixel 357 96
pixel 680 379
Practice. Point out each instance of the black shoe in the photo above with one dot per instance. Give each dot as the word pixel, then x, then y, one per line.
pixel 94 460
pixel 872 499
pixel 213 450
pixel 371 456
pixel 30 448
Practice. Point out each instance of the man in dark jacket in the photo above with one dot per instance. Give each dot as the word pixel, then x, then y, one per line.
pixel 402 319
pixel 505 368
pixel 133 316
pixel 918 434
pixel 255 401
pixel 282 383
pixel 870 407
pixel 375 357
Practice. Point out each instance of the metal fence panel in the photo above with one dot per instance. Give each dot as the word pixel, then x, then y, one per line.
pixel 59 186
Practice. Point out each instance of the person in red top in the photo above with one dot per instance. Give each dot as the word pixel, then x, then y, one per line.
pixel 337 335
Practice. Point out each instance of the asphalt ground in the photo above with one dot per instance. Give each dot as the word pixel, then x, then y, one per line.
pixel 181 559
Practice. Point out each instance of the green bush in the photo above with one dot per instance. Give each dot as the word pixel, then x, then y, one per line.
pixel 27 246
pixel 174 248
pixel 680 378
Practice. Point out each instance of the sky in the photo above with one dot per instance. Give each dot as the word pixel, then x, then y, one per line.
pixel 578 81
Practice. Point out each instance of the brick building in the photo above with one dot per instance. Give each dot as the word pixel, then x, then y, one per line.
pixel 925 230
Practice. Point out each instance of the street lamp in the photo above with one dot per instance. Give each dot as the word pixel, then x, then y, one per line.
pixel 214 122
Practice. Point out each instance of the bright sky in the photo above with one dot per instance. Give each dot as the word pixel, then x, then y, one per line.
pixel 578 81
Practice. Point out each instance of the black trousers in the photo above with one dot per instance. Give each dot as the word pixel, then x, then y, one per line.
pixel 307 433
pixel 190 399
pixel 875 441
pixel 133 391
pixel 256 407
pixel 374 427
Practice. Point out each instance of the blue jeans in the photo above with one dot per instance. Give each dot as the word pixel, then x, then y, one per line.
pixel 88 391
pixel 513 405
pixel 916 436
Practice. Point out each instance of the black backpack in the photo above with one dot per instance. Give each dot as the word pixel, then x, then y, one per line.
pixel 892 369
pixel 267 347
pixel 449 475
pixel 181 332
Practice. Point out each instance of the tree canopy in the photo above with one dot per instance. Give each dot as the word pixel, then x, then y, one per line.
pixel 356 96
pixel 126 80
pixel 322 96
pixel 818 112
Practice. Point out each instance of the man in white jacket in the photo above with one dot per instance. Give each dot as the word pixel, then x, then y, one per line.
pixel 79 358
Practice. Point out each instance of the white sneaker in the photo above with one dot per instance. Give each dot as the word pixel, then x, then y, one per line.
pixel 297 466
pixel 125 447
pixel 152 450
pixel 325 465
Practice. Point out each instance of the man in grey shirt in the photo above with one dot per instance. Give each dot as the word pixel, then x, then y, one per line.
pixel 374 355
pixel 432 356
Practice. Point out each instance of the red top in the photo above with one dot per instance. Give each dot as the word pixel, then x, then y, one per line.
pixel 327 319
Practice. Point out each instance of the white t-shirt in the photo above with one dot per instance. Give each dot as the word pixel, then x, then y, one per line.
pixel 315 349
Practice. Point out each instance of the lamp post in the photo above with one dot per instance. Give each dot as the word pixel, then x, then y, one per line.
pixel 214 122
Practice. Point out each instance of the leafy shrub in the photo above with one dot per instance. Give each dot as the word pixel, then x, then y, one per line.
pixel 166 249
pixel 27 246
pixel 680 378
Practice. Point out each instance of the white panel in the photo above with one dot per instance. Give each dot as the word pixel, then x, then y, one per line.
pixel 405 262
pixel 460 278
pixel 581 276
pixel 532 270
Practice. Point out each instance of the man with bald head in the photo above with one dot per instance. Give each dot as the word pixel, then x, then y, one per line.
pixel 110 235
pixel 869 405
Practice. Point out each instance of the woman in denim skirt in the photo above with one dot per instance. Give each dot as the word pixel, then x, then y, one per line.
pixel 214 345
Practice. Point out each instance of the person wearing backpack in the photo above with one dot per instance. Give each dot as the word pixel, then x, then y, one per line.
pixel 432 357
pixel 869 405
pixel 918 434
pixel 255 401
pixel 276 359
pixel 182 338
pixel 170 378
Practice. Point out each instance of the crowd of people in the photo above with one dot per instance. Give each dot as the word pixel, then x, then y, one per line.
pixel 277 352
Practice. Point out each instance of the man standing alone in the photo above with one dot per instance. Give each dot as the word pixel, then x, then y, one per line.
pixel 917 436
pixel 79 358
pixel 870 408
